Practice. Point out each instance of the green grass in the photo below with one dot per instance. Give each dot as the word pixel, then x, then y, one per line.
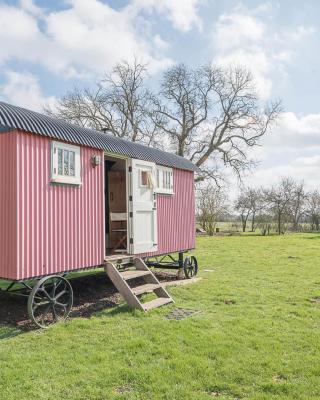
pixel 257 336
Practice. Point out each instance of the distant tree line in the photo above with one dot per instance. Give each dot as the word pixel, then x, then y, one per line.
pixel 285 206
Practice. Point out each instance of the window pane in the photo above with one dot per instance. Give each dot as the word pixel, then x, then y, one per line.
pixel 166 184
pixel 72 168
pixel 60 158
pixel 144 178
pixel 66 162
pixel 158 178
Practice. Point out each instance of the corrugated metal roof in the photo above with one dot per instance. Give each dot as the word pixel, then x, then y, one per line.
pixel 12 117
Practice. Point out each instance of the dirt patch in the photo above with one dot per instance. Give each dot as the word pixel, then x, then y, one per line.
pixel 229 302
pixel 279 378
pixel 123 389
pixel 92 293
pixel 315 300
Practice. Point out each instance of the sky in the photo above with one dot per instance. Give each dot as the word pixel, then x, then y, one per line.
pixel 48 47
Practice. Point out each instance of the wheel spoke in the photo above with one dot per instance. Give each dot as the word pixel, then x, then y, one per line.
pixel 64 305
pixel 53 290
pixel 44 314
pixel 42 303
pixel 55 316
pixel 46 293
pixel 60 294
pixel 57 285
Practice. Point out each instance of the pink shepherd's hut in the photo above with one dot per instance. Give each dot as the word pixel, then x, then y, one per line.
pixel 74 198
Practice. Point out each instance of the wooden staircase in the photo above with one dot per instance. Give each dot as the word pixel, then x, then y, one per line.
pixel 123 280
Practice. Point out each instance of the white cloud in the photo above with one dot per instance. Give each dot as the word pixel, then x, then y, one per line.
pixel 31 7
pixel 301 32
pixel 299 170
pixel 86 38
pixel 182 13
pixel 23 89
pixel 243 37
pixel 234 30
pixel 291 149
pixel 294 135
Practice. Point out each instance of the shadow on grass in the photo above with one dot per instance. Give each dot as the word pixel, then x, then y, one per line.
pixel 94 295
pixel 117 310
pixel 9 332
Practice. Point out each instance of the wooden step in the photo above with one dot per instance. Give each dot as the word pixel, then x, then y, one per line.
pixel 119 259
pixel 147 288
pixel 120 278
pixel 160 301
pixel 131 274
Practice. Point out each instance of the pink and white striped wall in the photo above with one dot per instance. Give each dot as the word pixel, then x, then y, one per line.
pixel 56 228
pixel 176 215
pixel 8 206
pixel 47 228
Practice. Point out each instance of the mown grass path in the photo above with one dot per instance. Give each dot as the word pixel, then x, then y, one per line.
pixel 257 336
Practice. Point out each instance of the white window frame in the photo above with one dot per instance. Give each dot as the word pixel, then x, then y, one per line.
pixel 159 188
pixel 55 177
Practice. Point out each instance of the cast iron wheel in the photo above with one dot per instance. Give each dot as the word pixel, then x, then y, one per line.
pixel 50 301
pixel 190 267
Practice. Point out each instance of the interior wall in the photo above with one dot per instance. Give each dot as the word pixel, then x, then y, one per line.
pixel 116 198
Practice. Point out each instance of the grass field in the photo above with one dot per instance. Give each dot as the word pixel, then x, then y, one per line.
pixel 257 336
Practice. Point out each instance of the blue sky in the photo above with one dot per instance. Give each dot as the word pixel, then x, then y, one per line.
pixel 48 47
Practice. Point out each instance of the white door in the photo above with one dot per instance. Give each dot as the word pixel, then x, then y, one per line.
pixel 142 207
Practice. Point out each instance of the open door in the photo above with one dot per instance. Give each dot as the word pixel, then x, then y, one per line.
pixel 142 207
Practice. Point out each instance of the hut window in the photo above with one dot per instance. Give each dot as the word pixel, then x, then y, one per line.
pixel 164 180
pixel 147 179
pixel 65 163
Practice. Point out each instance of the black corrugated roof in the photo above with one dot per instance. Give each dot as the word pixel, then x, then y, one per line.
pixel 12 117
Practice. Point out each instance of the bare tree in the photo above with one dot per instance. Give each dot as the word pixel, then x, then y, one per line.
pixel 209 115
pixel 264 223
pixel 212 115
pixel 248 204
pixel 257 206
pixel 212 205
pixel 313 209
pixel 279 199
pixel 120 105
pixel 298 204
pixel 243 206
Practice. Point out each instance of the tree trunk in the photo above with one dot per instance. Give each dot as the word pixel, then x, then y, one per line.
pixel 244 224
pixel 279 223
pixel 252 222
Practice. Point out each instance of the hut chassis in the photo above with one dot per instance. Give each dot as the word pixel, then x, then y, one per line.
pixel 50 297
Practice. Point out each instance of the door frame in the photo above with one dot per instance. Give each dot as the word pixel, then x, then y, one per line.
pixel 126 160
